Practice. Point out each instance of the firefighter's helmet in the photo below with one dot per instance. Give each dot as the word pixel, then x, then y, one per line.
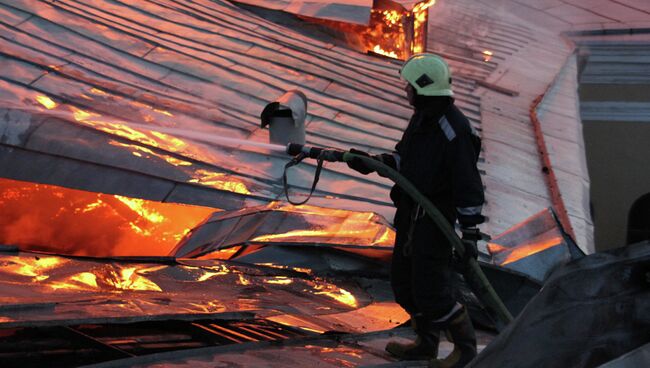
pixel 429 74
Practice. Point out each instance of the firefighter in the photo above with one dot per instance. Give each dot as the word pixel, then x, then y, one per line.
pixel 438 153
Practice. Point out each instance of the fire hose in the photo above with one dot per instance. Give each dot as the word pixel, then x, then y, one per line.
pixel 472 272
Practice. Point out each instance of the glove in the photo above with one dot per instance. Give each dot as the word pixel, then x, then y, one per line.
pixel 358 165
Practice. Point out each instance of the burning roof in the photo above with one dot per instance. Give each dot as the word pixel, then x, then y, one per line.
pixel 98 106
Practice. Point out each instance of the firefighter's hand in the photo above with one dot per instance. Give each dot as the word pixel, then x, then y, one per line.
pixel 357 164
pixel 471 236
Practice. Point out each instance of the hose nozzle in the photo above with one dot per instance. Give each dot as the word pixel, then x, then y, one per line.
pixel 326 154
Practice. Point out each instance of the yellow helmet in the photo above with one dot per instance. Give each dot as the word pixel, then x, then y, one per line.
pixel 429 74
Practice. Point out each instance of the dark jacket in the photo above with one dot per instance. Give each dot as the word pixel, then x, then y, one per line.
pixel 438 153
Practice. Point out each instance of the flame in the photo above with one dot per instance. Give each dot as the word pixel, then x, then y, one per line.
pixel 420 16
pixel 390 54
pixel 139 206
pixel 423 6
pixel 47 102
pixel 487 55
pixel 67 221
pixel 387 33
pixel 517 253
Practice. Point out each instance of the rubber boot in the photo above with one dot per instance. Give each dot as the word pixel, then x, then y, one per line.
pixel 461 334
pixel 425 346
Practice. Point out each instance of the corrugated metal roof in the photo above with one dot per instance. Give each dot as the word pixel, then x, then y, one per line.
pixel 211 67
pixel 173 57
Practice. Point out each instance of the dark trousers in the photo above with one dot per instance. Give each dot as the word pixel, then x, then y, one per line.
pixel 421 276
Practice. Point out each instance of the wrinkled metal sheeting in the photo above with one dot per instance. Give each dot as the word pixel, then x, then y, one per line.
pixel 37 290
pixel 589 312
pixel 349 11
pixel 281 224
pixel 534 247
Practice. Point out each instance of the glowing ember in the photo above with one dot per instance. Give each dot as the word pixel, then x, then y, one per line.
pixel 46 102
pixel 487 55
pixel 66 221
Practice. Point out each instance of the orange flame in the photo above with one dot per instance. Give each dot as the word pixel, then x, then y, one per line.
pixel 388 33
pixel 139 206
pixel 390 54
pixel 67 221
